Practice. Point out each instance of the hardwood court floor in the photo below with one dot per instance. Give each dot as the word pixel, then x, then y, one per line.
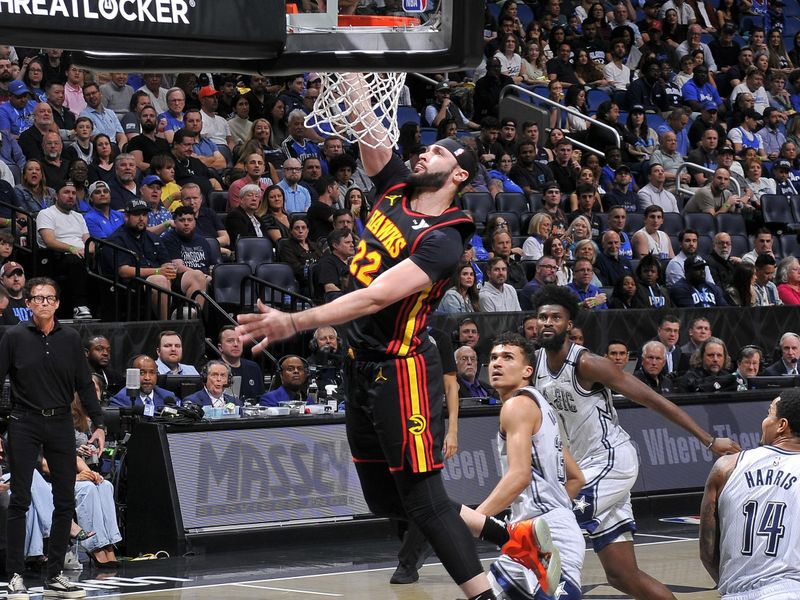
pixel 360 570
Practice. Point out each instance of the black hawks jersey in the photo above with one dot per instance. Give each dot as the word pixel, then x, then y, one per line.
pixel 393 233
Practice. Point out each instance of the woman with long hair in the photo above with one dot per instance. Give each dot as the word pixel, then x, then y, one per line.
pixel 260 141
pixel 590 176
pixel 32 193
pixel 510 9
pixel 102 167
pixel 578 231
pixel 355 202
pixel 33 76
pixel 597 14
pixel 409 138
pixel 300 253
pixel 272 212
pixel 539 230
pixel 788 278
pixel 509 56
pixel 625 294
pixel 534 65
pixel 646 137
pixel 673 32
pixel 555 248
pixel 761 62
pixel 779 59
pixel 499 179
pixel 558 35
pixel 587 72
pixel 447 128
pixel 553 136
pixel 462 295
pixel 275 110
pixel 576 98
pixel 728 12
pixel 794 53
pixel 741 291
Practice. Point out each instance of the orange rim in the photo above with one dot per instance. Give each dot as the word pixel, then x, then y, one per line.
pixel 376 21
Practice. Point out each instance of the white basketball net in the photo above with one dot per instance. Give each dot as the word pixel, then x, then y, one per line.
pixel 360 107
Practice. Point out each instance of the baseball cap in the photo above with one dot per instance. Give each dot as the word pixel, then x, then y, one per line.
pixel 752 114
pixel 729 28
pixel 151 179
pixel 694 262
pixel 207 91
pixel 637 108
pixel 782 164
pixel 136 205
pixel 552 185
pixel 465 157
pixel 65 183
pixel 443 86
pixel 726 150
pixel 312 77
pixel 655 26
pixel 18 88
pixel 11 267
pixel 710 106
pixel 622 167
pixel 97 184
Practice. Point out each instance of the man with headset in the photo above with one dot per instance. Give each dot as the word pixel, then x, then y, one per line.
pixel 216 377
pixel 293 370
pixel 149 395
pixel 327 356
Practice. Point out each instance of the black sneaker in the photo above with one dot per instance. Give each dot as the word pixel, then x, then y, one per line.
pixel 404 574
pixel 61 587
pixel 17 589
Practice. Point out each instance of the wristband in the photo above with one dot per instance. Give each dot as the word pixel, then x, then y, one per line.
pixel 71 249
pixel 711 443
pixel 158 271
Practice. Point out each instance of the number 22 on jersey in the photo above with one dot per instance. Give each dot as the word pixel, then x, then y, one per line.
pixel 365 264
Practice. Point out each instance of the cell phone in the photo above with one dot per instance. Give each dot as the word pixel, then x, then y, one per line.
pixel 5 478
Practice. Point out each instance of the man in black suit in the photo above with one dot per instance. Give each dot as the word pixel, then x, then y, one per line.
pixel 790 353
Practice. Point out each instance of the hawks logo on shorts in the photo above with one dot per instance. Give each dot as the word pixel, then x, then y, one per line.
pixel 417 424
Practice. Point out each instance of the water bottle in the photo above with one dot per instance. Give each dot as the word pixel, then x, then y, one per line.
pixel 313 391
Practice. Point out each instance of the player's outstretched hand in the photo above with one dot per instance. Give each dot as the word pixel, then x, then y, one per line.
pixel 264 327
pixel 722 446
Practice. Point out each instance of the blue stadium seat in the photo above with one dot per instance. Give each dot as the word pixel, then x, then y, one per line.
pixel 702 223
pixel 511 202
pixel 673 223
pixel 427 135
pixel 594 98
pixel 740 245
pixel 407 114
pixel 655 120
pixel 524 14
pixel 732 223
pixel 253 251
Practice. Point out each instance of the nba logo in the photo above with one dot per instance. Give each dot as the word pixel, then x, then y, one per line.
pixel 415 5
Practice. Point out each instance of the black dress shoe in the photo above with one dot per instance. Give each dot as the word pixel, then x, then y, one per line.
pixel 404 574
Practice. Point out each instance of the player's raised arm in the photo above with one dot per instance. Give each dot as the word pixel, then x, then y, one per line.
pixel 594 368
pixel 709 518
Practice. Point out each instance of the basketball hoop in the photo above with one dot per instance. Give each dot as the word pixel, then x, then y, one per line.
pixel 360 107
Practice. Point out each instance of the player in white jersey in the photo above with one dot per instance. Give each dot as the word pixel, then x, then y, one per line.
pixel 750 515
pixel 539 477
pixel 578 384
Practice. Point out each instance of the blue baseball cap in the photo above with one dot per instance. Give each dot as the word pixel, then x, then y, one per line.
pixel 708 105
pixel 151 179
pixel 18 88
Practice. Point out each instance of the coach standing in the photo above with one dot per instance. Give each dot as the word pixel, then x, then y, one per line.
pixel 47 367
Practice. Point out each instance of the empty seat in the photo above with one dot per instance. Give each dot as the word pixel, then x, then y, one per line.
pixel 702 223
pixel 790 246
pixel 511 202
pixel 673 223
pixel 227 282
pixel 634 222
pixel 279 275
pixel 777 211
pixel 407 114
pixel 594 98
pixel 603 218
pixel 253 251
pixel 705 245
pixel 427 135
pixel 216 254
pixel 535 201
pixel 731 223
pixel 480 204
pixel 740 245
pixel 218 201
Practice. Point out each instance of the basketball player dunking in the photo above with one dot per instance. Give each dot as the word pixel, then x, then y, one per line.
pixel 578 384
pixel 412 242
pixel 749 526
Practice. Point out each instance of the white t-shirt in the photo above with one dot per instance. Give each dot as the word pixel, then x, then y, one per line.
pixel 215 128
pixel 68 228
pixel 620 76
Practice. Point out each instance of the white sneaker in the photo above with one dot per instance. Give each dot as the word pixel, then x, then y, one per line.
pixel 81 312
pixel 61 587
pixel 71 562
pixel 17 589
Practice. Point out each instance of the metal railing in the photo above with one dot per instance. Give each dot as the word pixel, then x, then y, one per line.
pixel 135 293
pixel 689 192
pixel 567 109
pixel 25 243
pixel 254 288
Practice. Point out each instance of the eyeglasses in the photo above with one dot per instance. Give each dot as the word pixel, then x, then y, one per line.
pixel 43 299
pixel 547 266
pixel 468 359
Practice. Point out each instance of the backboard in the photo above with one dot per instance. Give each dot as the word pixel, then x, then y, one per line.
pixel 250 36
